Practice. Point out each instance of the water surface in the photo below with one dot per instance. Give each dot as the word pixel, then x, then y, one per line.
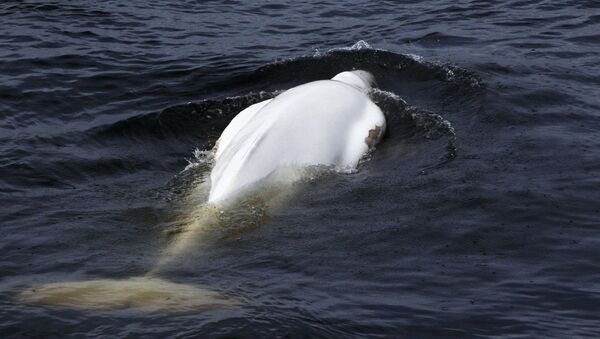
pixel 477 216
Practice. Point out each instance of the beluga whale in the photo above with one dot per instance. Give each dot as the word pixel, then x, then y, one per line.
pixel 320 123
pixel 326 123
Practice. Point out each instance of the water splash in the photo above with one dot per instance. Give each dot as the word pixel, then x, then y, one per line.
pixel 202 158
pixel 360 44
pixel 415 57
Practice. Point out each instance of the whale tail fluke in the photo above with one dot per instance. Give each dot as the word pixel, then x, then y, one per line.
pixel 138 294
pixel 149 293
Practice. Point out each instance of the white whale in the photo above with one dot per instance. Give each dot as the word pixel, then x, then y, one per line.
pixel 327 122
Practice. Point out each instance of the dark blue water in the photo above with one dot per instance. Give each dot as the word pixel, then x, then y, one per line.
pixel 477 216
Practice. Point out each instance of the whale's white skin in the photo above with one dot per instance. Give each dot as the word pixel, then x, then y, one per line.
pixel 326 122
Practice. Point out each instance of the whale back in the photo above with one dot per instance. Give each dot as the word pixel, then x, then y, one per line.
pixel 362 80
pixel 326 122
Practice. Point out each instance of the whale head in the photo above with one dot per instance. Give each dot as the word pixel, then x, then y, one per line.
pixel 362 80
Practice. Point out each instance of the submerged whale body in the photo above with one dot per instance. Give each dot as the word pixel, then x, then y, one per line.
pixel 329 122
pixel 326 122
